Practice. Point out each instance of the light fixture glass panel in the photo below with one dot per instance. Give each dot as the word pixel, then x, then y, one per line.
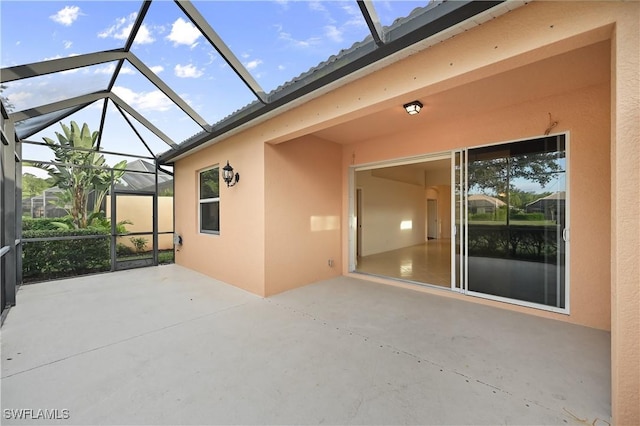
pixel 277 41
pixel 45 89
pixel 34 31
pixel 184 59
pixel 389 11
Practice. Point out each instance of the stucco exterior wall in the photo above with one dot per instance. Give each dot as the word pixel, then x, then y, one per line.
pixel 302 213
pixel 475 103
pixel 625 213
pixel 236 255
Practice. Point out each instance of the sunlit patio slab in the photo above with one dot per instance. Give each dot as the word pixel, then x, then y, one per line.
pixel 167 345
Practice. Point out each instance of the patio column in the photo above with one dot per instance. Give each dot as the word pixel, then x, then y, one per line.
pixel 625 232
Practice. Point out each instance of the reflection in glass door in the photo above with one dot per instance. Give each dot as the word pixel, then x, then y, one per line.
pixel 516 221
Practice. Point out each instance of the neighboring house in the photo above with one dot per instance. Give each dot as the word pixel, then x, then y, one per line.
pixel 290 220
pixel 144 181
pixel 552 206
pixel 480 204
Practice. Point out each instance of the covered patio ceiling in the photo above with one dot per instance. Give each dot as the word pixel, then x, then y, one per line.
pixel 238 62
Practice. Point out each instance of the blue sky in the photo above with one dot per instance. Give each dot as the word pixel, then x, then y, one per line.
pixel 275 40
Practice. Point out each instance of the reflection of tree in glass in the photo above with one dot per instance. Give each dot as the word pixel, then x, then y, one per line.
pixel 497 174
pixel 209 186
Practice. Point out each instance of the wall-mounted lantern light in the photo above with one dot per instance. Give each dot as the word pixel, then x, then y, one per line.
pixel 413 108
pixel 228 176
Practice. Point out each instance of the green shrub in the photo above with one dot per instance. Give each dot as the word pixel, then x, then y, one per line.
pixel 123 250
pixel 482 216
pixel 140 243
pixel 527 216
pixel 44 223
pixel 43 260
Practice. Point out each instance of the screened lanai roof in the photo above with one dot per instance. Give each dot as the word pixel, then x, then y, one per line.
pixel 158 78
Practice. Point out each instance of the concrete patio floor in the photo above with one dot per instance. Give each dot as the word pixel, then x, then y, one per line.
pixel 167 345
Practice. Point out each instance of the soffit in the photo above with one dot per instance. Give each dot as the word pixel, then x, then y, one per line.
pixel 577 69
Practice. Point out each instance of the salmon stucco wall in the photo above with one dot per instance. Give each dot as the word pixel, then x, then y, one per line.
pixel 303 205
pixel 584 113
pixel 236 255
pixel 469 101
pixel 625 211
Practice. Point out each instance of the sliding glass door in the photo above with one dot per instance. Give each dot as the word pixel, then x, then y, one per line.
pixel 501 221
pixel 516 221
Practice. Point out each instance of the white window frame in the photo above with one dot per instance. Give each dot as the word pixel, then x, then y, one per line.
pixel 202 201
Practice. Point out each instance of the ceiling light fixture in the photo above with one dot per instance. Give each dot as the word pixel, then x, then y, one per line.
pixel 413 108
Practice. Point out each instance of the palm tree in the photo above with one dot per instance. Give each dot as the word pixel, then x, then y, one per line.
pixel 78 172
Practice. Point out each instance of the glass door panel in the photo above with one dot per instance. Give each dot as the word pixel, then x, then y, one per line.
pixel 458 220
pixel 516 221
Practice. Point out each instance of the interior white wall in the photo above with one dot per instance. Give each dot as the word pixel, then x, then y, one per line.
pixel 386 204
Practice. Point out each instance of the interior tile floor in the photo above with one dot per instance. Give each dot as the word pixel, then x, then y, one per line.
pixel 428 263
pixel 166 345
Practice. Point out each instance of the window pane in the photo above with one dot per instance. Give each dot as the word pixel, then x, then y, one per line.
pixel 209 184
pixel 210 216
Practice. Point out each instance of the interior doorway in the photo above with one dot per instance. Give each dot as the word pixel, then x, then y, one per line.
pixel 403 220
pixel 432 219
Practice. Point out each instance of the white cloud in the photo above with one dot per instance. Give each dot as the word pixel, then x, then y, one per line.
pixel 187 71
pixel 183 32
pixel 122 27
pixel 355 15
pixel 253 64
pixel 333 33
pixel 157 69
pixel 66 16
pixel 20 97
pixel 144 101
pixel 317 6
pixel 144 36
pixel 110 68
pixel 310 42
pixel 281 67
pixel 67 44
